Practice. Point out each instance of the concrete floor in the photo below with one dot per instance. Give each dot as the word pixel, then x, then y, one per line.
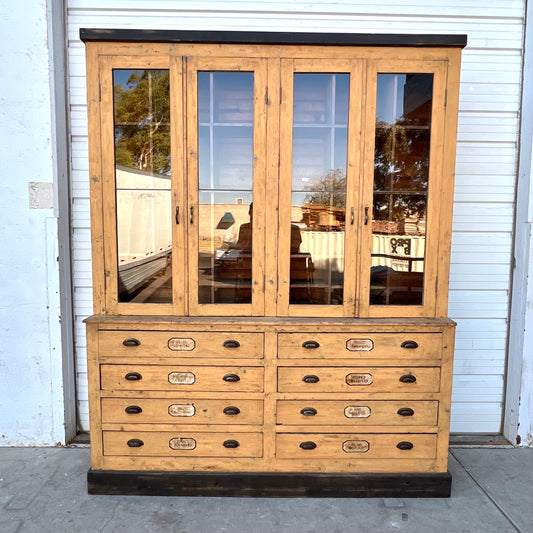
pixel 43 490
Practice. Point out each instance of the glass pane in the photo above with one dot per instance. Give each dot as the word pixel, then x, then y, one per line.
pixel 318 199
pixel 143 187
pixel 225 152
pixel 401 172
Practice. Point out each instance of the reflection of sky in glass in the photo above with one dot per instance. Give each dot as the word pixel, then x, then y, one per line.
pixel 225 132
pixel 121 76
pixel 390 91
pixel 320 129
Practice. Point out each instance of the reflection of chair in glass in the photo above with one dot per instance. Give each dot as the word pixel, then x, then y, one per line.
pixel 301 276
pixel 233 268
pixel 301 270
pixel 390 287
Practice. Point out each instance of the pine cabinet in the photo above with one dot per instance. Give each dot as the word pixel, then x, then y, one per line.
pixel 271 221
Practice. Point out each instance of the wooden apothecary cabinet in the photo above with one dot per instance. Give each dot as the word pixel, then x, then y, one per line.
pixel 271 219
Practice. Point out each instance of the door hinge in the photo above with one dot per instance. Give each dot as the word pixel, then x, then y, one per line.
pixel 445 97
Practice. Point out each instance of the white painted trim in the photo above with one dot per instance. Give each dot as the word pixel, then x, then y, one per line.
pixel 518 421
pixel 57 44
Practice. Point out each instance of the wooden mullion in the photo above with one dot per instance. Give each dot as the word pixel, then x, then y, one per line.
pixel 272 178
pixel 179 204
pixel 365 240
pixel 285 185
pixel 259 188
pixel 353 178
pixel 191 117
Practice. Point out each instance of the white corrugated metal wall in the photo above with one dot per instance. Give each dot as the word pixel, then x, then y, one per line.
pixel 486 154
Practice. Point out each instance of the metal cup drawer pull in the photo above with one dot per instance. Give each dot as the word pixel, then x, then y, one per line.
pixel 308 445
pixel 405 445
pixel 133 376
pixel 231 344
pixel 133 410
pixel 231 410
pixel 311 345
pixel 231 378
pixel 410 345
pixel 308 411
pixel 406 411
pixel 135 443
pixel 181 378
pixel 131 342
pixel 231 443
pixel 310 378
pixel 408 378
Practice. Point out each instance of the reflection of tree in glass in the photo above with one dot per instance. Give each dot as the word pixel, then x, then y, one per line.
pixel 329 190
pixel 142 115
pixel 401 166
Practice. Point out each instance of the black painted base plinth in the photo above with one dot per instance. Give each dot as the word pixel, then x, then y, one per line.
pixel 246 484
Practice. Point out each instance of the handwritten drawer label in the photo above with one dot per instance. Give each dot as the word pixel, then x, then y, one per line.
pixel 181 344
pixel 177 409
pixel 181 378
pixel 355 446
pixel 182 443
pixel 359 345
pixel 359 379
pixel 356 411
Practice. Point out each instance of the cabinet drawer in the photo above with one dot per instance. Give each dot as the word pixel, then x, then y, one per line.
pixel 355 446
pixel 181 344
pixel 181 411
pixel 358 379
pixel 359 345
pixel 183 444
pixel 182 378
pixel 357 413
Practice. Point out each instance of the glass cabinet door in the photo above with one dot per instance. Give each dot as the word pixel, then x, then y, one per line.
pixel 408 121
pixel 141 102
pixel 226 186
pixel 319 115
pixel 139 163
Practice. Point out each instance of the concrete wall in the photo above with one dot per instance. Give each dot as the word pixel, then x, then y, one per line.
pixel 32 407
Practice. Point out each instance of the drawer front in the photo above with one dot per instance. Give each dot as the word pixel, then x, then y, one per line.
pixel 355 446
pixel 181 344
pixel 181 411
pixel 357 413
pixel 183 444
pixel 359 345
pixel 358 379
pixel 182 378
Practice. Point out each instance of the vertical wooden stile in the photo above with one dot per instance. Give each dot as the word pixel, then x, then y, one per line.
pixel 95 183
